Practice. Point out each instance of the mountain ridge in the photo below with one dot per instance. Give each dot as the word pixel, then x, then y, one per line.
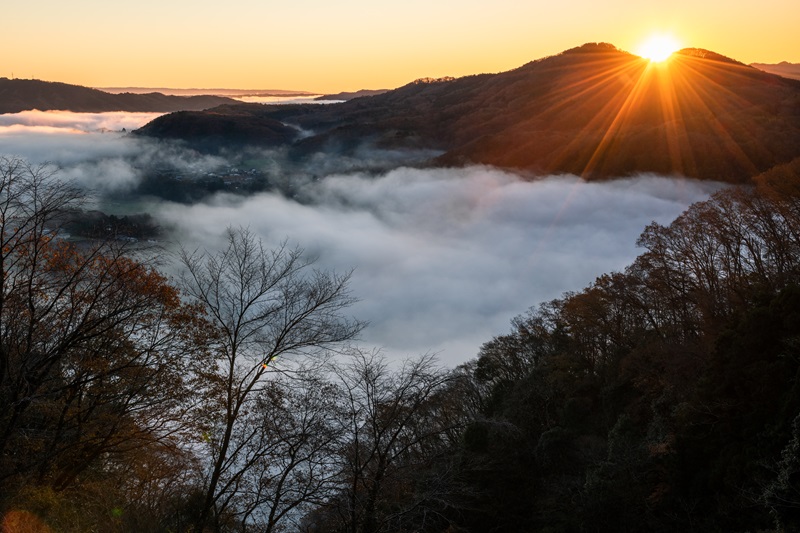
pixel 19 95
pixel 349 95
pixel 784 68
pixel 593 110
pixel 230 93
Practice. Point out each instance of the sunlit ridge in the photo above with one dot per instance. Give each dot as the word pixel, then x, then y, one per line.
pixel 626 92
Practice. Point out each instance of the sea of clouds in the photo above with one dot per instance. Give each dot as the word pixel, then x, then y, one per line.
pixel 442 258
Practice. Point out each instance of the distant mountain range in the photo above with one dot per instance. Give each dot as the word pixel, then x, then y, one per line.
pixel 352 94
pixel 23 95
pixel 784 68
pixel 231 93
pixel 594 111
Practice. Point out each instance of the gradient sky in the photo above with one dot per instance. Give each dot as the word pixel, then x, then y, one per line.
pixel 328 46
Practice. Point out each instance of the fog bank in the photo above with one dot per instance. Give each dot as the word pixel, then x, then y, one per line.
pixel 444 258
pixel 95 150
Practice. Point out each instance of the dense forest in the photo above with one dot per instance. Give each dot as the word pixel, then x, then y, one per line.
pixel 232 398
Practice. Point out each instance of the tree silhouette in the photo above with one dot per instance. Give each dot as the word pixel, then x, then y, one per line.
pixel 262 304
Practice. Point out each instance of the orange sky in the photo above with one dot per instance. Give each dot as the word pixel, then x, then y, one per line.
pixel 329 46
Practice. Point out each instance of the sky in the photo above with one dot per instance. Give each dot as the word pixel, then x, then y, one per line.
pixel 323 46
pixel 442 259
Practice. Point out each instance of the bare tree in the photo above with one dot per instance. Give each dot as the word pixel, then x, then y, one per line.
pixel 263 304
pixel 290 450
pixel 396 422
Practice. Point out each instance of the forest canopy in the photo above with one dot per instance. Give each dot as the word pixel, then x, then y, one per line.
pixel 660 398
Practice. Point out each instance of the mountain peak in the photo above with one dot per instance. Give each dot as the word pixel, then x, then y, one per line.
pixel 594 111
pixel 428 81
pixel 592 48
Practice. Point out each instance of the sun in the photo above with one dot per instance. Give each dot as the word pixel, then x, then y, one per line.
pixel 658 48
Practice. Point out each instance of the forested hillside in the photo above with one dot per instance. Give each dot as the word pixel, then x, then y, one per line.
pixel 661 398
pixel 593 111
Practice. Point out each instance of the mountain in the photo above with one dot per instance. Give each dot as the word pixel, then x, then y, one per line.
pixel 594 111
pixel 231 93
pixel 784 68
pixel 352 94
pixel 228 125
pixel 23 95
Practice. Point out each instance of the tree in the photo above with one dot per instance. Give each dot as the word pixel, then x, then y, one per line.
pixel 92 346
pixel 262 304
pixel 290 449
pixel 397 423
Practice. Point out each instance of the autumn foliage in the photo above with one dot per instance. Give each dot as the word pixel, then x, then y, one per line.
pixel 661 398
pixel 94 347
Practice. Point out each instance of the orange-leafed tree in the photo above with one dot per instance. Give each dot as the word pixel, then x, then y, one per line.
pixel 95 347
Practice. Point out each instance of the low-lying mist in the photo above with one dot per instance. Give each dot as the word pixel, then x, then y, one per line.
pixel 96 150
pixel 442 258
